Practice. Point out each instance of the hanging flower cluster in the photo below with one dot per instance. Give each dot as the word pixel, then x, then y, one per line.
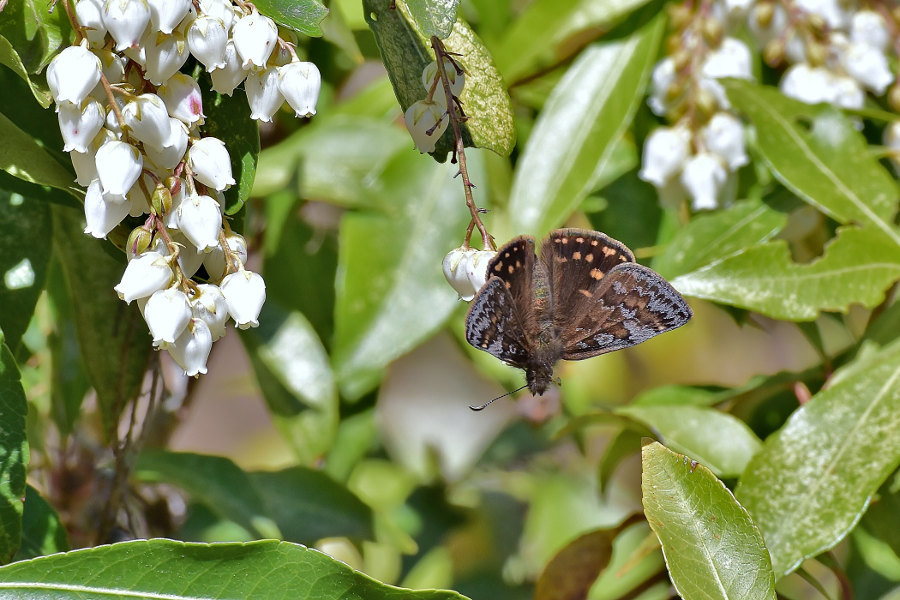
pixel 132 125
pixel 466 270
pixel 427 119
pixel 833 51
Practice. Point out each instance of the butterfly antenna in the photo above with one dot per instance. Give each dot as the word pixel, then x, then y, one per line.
pixel 491 401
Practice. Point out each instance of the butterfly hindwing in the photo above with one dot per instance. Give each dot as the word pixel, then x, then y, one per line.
pixel 493 324
pixel 632 304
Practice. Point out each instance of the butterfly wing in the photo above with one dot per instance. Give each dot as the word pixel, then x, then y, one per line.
pixel 493 324
pixel 602 300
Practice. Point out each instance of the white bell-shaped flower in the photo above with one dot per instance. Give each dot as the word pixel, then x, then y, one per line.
pixel 80 124
pixel 835 12
pixel 139 196
pixel 215 263
pixel 808 84
pixel 101 216
pixel 206 40
pixel 454 265
pixel 426 123
pixel 868 65
pixel 665 152
pixel 200 221
pixel 227 78
pixel 245 294
pixel 144 275
pixel 210 163
pixel 869 27
pixel 724 136
pixel 170 154
pixel 223 9
pixel 126 21
pixel 210 306
pixel 254 38
pixel 731 59
pixel 167 313
pixel 263 94
pixel 456 79
pixel 299 83
pixel 73 73
pixel 188 258
pixel 703 177
pixel 661 80
pixel 112 64
pixel 847 92
pixel 191 349
pixel 148 120
pixel 182 97
pixel 85 162
pixel 165 15
pixel 118 167
pixel 477 266
pixel 163 55
pixel 90 16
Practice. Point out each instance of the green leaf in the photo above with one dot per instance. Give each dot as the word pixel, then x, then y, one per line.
pixel 35 32
pixel 228 118
pixel 406 52
pixel 572 571
pixel 213 480
pixel 42 531
pixel 826 462
pixel 679 395
pixel 712 547
pixel 113 337
pixel 433 17
pixel 308 505
pixel 13 453
pixel 25 228
pixel 580 127
pixel 718 440
pixel 819 155
pixel 533 40
pixel 151 569
pixel 304 16
pixel 10 58
pixel 857 267
pixel 24 157
pixel 712 237
pixel 391 293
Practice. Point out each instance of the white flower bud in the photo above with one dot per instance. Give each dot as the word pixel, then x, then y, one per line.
pixel 848 93
pixel 144 275
pixel 476 268
pixel 191 349
pixel 80 124
pixel 165 15
pixel 90 16
pixel 254 38
pixel 808 84
pixel 126 21
pixel 85 162
pixel 456 80
pixel 661 80
pixel 72 74
pixel 426 123
pixel 223 9
pixel 113 67
pixel 245 294
pixel 172 151
pixel 210 306
pixel 227 78
pixel 188 258
pixel 868 27
pixel 665 152
pixel 703 177
pixel 299 83
pixel 263 94
pixel 214 262
pixel 200 221
pixel 206 39
pixel 118 167
pixel 731 59
pixel 167 313
pixel 182 97
pixel 164 55
pixel 210 163
pixel 147 118
pixel 101 216
pixel 139 196
pixel 724 136
pixel 868 65
pixel 454 266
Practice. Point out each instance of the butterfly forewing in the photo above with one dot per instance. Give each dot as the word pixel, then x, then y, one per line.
pixel 632 304
pixel 494 326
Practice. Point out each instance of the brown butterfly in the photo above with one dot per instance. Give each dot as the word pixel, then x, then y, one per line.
pixel 584 296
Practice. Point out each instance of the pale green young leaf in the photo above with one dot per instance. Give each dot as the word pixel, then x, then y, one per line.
pixel 858 266
pixel 579 128
pixel 24 157
pixel 820 156
pixel 153 569
pixel 712 547
pixel 10 58
pixel 826 462
pixel 433 17
pixel 304 16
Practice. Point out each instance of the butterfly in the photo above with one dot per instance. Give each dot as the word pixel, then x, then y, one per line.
pixel 583 297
